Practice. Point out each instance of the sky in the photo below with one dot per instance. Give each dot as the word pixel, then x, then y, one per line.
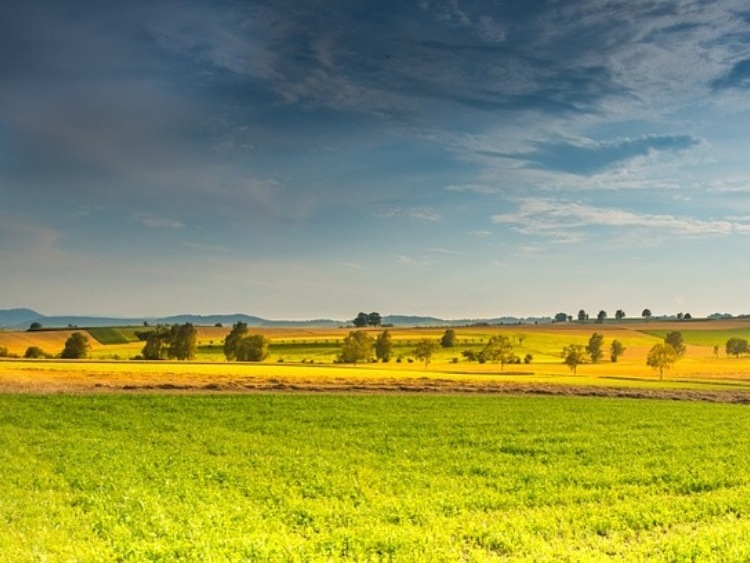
pixel 312 159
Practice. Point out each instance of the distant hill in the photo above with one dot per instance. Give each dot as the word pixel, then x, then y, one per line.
pixel 19 319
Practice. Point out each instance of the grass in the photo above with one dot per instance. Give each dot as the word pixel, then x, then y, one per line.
pixel 108 335
pixel 321 478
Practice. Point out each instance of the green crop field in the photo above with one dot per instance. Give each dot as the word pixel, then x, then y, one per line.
pixel 325 478
pixel 108 335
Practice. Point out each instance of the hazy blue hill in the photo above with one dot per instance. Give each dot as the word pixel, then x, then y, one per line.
pixel 22 319
pixel 18 318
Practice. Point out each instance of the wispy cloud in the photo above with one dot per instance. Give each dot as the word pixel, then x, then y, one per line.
pixel 153 221
pixel 593 157
pixel 414 213
pixel 408 260
pixel 556 219
pixel 472 188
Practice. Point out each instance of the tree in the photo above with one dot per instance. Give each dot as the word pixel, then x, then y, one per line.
pixel 661 357
pixel 688 317
pixel 35 326
pixel 251 348
pixel 34 352
pixel 573 355
pixel 619 314
pixel 157 343
pixel 361 320
pixel 374 319
pixel 594 347
pixel 736 346
pixel 357 346
pixel 182 342
pixel 499 349
pixel 561 317
pixel 383 346
pixel 425 349
pixel 674 339
pixel 448 339
pixel 582 315
pixel 646 314
pixel 76 346
pixel 520 337
pixel 616 349
pixel 601 316
pixel 239 331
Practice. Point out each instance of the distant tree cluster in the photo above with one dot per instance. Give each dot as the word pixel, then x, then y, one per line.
pixel 176 342
pixel 367 319
pixel 575 354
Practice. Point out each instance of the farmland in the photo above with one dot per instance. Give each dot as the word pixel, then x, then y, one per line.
pixel 300 478
pixel 109 459
pixel 305 358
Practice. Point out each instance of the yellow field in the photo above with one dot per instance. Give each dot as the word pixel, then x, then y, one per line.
pixel 699 370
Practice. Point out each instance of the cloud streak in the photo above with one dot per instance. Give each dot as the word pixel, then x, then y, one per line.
pixel 550 218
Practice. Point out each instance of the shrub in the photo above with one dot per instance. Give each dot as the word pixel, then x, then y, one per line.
pixel 34 352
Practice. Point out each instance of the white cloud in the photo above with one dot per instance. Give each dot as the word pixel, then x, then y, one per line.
pixel 560 219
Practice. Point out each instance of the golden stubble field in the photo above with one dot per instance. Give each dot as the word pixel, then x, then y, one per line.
pixel 701 371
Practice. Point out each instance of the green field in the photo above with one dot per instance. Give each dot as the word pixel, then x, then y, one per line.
pixel 419 478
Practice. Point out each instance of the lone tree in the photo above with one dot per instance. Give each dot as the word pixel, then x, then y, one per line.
pixel 736 346
pixel 76 347
pixel 251 348
pixel 357 346
pixel 616 349
pixel 561 317
pixel 601 316
pixel 582 315
pixel 674 339
pixel 384 347
pixel 661 356
pixel 619 314
pixel 499 348
pixel 646 314
pixel 425 349
pixel 594 347
pixel 239 331
pixel 35 326
pixel 573 355
pixel 448 339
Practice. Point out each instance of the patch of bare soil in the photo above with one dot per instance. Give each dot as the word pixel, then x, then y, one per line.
pixel 433 386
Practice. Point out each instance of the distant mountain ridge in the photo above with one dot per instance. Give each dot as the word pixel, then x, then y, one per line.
pixel 19 319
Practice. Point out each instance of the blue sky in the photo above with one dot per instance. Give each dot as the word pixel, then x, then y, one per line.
pixel 313 159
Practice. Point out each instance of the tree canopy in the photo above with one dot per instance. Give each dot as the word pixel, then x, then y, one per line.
pixel 448 340
pixel 383 346
pixel 425 349
pixel 616 349
pixel 573 355
pixel 675 340
pixel 251 348
pixel 357 346
pixel 499 349
pixel 239 331
pixel 736 346
pixel 594 347
pixel 661 356
pixel 76 347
